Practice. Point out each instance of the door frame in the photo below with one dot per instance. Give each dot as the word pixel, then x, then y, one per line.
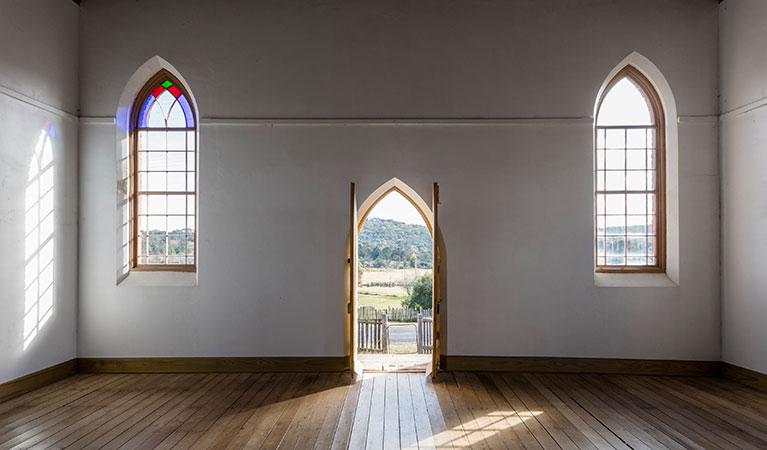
pixel 351 257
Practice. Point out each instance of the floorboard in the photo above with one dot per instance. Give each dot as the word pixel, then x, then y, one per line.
pixel 386 410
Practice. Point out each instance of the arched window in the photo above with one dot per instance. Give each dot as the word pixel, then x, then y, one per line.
pixel 629 178
pixel 163 177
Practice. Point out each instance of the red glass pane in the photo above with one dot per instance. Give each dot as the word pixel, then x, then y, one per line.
pixel 157 91
pixel 174 90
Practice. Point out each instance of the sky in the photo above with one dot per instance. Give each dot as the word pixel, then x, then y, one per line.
pixel 396 207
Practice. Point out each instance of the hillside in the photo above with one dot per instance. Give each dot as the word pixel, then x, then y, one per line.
pixel 388 243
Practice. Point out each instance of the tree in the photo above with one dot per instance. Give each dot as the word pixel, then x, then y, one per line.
pixel 421 295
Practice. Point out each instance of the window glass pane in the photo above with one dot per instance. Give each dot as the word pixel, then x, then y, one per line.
pixel 176 224
pixel 600 246
pixel 157 245
pixel 637 261
pixel 651 203
pixel 615 159
pixel 176 140
pixel 615 204
pixel 636 159
pixel 166 99
pixel 177 245
pixel 176 117
pixel 636 180
pixel 616 224
pixel 156 140
pixel 176 204
pixel 615 246
pixel 156 204
pixel 616 138
pixel 636 138
pixel 600 180
pixel 156 116
pixel 176 181
pixel 637 246
pixel 190 140
pixel 651 180
pixel 615 181
pixel 616 261
pixel 635 203
pixel 624 104
pixel 176 160
pixel 157 224
pixel 190 161
pixel 157 181
pixel 636 224
pixel 190 225
pixel 190 202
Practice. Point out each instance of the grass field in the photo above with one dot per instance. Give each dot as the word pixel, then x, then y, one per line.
pixel 392 275
pixel 379 301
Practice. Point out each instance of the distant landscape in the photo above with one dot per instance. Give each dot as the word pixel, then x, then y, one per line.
pixel 392 256
pixel 385 243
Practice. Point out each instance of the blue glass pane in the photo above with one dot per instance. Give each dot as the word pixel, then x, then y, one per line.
pixel 187 110
pixel 145 111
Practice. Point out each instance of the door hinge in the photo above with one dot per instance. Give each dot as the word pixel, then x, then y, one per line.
pixel 349 308
pixel 437 308
pixel 348 260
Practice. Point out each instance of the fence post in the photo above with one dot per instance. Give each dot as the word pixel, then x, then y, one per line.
pixel 385 332
pixel 419 334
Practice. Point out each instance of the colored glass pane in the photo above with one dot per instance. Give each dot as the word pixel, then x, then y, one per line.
pixel 187 111
pixel 174 90
pixel 166 84
pixel 142 116
pixel 158 90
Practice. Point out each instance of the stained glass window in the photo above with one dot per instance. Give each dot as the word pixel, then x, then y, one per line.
pixel 629 176
pixel 164 179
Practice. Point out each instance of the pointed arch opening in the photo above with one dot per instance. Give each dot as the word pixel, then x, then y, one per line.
pixel 395 279
pixel 629 176
pixel 163 178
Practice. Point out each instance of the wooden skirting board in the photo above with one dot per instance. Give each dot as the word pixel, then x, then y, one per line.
pixel 756 380
pixel 36 380
pixel 60 371
pixel 211 364
pixel 580 365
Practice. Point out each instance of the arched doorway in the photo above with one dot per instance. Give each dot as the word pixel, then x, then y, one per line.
pixel 358 215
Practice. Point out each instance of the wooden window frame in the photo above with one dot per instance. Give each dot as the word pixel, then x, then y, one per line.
pixel 146 90
pixel 659 125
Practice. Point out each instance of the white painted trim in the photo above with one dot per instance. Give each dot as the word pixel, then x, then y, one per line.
pixel 633 280
pixel 654 75
pixel 206 121
pixel 396 184
pixel 27 100
pixel 533 121
pixel 159 279
pixel 745 109
pixel 698 119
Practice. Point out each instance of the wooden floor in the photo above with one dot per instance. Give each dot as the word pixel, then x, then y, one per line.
pixel 386 410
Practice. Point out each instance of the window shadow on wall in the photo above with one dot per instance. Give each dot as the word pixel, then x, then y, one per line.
pixel 39 248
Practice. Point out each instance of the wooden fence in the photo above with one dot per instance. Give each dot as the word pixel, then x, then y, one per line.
pixel 403 314
pixel 425 334
pixel 373 334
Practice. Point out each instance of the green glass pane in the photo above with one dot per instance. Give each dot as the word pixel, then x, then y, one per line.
pixel 166 84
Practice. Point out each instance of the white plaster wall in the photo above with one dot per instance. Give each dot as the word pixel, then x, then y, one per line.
pixel 743 25
pixel 38 83
pixel 516 207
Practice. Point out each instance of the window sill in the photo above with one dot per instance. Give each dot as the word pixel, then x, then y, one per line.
pixel 159 279
pixel 633 280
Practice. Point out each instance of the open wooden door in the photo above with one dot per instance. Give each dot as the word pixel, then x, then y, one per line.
pixel 352 267
pixel 436 279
